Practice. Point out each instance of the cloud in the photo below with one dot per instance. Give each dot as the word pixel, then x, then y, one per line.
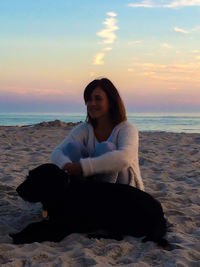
pixel 134 42
pixel 108 33
pixel 195 29
pixel 131 69
pixel 112 14
pixel 188 70
pixel 32 91
pixel 166 45
pixel 146 3
pixel 107 48
pixel 195 51
pixel 146 73
pixel 180 30
pixel 169 4
pixel 149 65
pixel 182 3
pixel 99 59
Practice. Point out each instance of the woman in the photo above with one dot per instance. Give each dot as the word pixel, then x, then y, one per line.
pixel 105 146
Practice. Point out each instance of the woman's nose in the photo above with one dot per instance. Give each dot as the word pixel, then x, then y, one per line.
pixel 92 102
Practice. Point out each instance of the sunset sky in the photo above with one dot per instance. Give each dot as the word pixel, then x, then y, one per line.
pixel 50 51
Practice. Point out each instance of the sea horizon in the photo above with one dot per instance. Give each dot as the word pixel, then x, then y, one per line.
pixel 145 121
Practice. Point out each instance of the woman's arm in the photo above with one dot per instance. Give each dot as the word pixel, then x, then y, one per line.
pixel 127 152
pixel 73 168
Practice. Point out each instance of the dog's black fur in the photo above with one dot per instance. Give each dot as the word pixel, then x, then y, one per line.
pixel 75 205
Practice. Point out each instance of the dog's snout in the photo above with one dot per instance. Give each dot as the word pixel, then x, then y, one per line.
pixel 22 193
pixel 18 189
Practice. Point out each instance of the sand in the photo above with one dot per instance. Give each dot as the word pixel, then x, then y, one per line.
pixel 170 167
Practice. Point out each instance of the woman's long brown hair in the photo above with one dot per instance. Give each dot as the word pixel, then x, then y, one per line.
pixel 117 108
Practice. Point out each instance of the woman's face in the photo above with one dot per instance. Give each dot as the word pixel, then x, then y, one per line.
pixel 98 104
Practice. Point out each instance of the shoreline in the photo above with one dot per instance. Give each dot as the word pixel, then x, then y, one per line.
pixel 70 125
pixel 55 123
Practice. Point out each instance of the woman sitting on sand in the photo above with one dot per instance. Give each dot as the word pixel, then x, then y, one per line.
pixel 105 146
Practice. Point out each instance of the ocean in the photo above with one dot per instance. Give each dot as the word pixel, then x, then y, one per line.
pixel 167 122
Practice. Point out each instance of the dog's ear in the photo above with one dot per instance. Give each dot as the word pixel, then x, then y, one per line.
pixel 47 173
pixel 44 169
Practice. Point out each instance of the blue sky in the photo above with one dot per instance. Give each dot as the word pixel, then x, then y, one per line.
pixel 50 50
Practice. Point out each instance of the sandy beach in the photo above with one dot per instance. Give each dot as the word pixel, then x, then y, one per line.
pixel 170 167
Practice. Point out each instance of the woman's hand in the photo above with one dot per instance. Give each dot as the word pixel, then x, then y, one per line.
pixel 73 168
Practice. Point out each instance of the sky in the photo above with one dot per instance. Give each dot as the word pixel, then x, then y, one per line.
pixel 51 50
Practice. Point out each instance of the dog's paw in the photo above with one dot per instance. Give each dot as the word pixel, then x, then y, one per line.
pixel 17 239
pixel 104 234
pixel 14 238
pixel 145 239
pixel 12 234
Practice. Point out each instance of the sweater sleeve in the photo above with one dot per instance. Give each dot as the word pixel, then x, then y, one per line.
pixel 77 134
pixel 127 152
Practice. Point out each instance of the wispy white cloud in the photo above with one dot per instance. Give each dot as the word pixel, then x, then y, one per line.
pixel 32 91
pixel 146 73
pixel 166 45
pixel 175 75
pixel 195 51
pixel 109 36
pixel 187 70
pixel 99 59
pixel 108 33
pixel 176 29
pixel 167 4
pixel 112 14
pixel 131 69
pixel 149 65
pixel 145 3
pixel 134 42
pixel 182 3
pixel 195 29
pixel 107 48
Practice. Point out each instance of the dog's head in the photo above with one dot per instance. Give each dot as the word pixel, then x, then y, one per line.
pixel 44 182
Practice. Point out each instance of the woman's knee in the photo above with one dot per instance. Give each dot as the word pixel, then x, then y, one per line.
pixel 75 150
pixel 104 147
pixel 73 145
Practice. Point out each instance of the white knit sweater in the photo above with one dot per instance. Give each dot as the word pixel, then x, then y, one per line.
pixel 124 136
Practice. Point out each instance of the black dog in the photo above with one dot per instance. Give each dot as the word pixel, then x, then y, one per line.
pixel 75 205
